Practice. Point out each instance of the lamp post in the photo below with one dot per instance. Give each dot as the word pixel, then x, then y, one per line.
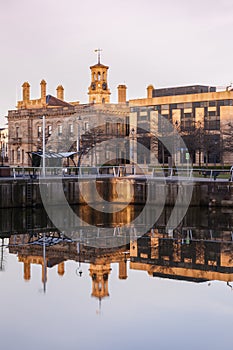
pixel 2 153
pixel 43 145
pixel 78 134
pixel 132 133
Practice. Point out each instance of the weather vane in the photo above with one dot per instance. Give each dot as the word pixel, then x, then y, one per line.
pixel 98 50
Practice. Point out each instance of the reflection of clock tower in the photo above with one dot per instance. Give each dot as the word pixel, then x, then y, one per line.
pixel 99 274
pixel 98 90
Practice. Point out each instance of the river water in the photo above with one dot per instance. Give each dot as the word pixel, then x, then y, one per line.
pixel 158 290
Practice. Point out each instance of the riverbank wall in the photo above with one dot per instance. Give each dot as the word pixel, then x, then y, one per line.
pixel 27 192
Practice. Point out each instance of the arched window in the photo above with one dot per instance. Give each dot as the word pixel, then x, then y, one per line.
pixel 99 75
pixel 18 155
pixel 22 156
pixel 59 129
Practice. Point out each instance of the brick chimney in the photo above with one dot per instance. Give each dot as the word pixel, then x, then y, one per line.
pixel 60 92
pixel 121 93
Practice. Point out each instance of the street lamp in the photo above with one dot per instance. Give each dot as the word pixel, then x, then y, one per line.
pixel 43 145
pixel 78 134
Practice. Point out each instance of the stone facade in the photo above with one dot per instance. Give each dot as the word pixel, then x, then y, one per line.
pixel 69 126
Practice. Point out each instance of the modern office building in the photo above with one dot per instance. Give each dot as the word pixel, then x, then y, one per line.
pixel 201 115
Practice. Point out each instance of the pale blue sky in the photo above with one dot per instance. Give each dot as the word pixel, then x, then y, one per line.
pixel 164 43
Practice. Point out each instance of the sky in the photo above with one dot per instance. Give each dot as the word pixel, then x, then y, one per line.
pixel 164 43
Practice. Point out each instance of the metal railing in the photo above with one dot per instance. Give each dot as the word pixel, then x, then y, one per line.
pixel 127 170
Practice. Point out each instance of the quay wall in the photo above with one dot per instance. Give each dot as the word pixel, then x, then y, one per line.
pixel 26 192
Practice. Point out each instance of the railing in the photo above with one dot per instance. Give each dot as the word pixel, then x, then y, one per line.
pixel 128 170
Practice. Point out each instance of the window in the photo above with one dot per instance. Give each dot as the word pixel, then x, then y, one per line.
pixel 59 129
pixel 164 107
pixel 49 130
pixel 212 113
pixel 13 156
pixel 86 126
pixel 22 156
pixel 17 131
pixel 18 155
pixel 39 131
pixel 107 152
pixel 71 129
pixel 107 128
pixel 212 103
pixel 118 128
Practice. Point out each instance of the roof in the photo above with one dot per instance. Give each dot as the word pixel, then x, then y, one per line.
pixel 55 102
pixel 183 90
pixel 50 155
pixel 99 65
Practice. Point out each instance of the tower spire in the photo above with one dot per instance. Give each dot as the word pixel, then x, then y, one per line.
pixel 98 51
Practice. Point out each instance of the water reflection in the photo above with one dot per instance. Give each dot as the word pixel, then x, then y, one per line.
pixel 199 250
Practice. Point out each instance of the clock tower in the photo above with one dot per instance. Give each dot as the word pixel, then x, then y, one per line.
pixel 98 91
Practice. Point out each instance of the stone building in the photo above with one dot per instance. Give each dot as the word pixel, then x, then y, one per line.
pixel 4 145
pixel 69 126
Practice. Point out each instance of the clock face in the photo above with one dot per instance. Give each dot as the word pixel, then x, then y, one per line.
pixel 93 86
pixel 104 86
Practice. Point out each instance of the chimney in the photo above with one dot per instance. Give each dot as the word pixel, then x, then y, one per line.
pixel 43 90
pixel 60 92
pixel 150 89
pixel 26 91
pixel 121 93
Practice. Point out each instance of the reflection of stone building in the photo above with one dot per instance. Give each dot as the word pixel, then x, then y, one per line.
pixel 100 260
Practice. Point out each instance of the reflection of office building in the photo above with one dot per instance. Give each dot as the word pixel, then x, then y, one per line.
pixel 183 258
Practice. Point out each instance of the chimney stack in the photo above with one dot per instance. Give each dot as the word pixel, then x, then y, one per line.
pixel 121 93
pixel 26 91
pixel 60 92
pixel 43 91
pixel 150 89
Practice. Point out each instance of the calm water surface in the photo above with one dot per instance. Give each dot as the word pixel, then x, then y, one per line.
pixel 159 291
